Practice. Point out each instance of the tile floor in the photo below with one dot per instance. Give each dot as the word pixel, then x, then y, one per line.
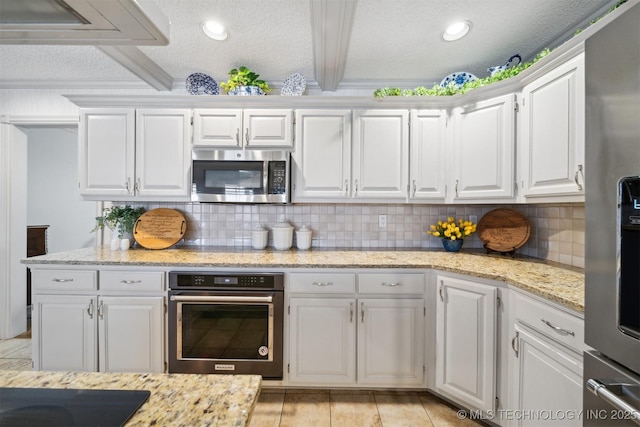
pixel 312 408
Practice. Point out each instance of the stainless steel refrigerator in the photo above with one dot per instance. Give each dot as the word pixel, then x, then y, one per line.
pixel 612 242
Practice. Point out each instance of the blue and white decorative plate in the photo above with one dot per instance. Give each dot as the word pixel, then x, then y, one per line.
pixel 458 79
pixel 201 84
pixel 294 85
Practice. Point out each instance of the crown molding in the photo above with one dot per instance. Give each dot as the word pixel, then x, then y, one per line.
pixel 134 60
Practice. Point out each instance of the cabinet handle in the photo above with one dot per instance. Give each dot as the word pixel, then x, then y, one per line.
pixel 575 178
pixel 246 136
pixel 440 292
pixel 127 185
pixel 558 329
pixel 346 187
pixel 350 312
pixel 238 137
pixel 90 310
pixel 414 189
pixel 62 280
pixel 391 284
pixel 322 283
pixel 101 311
pixel 456 188
pixel 514 341
pixel 130 282
pixel 136 187
pixel 362 312
pixel 356 188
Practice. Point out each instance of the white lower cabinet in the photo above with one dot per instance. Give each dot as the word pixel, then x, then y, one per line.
pixel 545 365
pixel 466 334
pixel 78 329
pixel 343 336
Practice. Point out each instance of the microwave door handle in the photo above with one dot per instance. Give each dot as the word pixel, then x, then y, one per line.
pixel 221 298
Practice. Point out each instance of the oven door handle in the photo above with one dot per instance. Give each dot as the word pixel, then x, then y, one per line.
pixel 601 390
pixel 220 298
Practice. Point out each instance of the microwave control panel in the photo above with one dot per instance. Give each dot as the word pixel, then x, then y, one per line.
pixel 277 177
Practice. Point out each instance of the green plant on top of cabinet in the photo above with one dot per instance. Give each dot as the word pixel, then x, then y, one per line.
pixel 129 154
pixel 238 129
pixel 483 157
pixel 552 134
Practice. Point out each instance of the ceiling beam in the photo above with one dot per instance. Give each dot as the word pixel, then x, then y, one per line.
pixel 134 60
pixel 331 25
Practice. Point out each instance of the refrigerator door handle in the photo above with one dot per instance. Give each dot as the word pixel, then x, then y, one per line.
pixel 600 389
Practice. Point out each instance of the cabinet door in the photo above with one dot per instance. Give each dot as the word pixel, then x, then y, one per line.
pixel 391 341
pixel 163 154
pixel 322 341
pixel 546 379
pixel 268 128
pixel 428 148
pixel 483 155
pixel 130 332
pixel 553 123
pixel 106 152
pixel 322 158
pixel 217 128
pixel 64 333
pixel 380 154
pixel 466 342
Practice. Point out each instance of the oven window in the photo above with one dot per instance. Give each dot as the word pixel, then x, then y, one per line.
pixel 229 177
pixel 225 331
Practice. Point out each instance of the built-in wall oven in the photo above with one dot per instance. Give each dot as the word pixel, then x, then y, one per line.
pixel 221 322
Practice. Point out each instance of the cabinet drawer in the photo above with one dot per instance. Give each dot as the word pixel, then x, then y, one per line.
pixel 64 280
pixel 551 322
pixel 322 282
pixel 133 281
pixel 392 283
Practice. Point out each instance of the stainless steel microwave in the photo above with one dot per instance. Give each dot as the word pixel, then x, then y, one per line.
pixel 240 176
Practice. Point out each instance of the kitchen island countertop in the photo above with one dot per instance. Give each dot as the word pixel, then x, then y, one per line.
pixel 563 285
pixel 176 399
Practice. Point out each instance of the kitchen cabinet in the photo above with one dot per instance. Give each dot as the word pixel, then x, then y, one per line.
pixel 427 171
pixel 78 327
pixel 321 166
pixel 552 133
pixel 545 363
pixel 128 154
pixel 238 129
pixel 466 337
pixel 483 155
pixel 373 335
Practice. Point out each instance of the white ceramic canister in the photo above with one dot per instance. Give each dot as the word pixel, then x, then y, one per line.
pixel 282 236
pixel 259 237
pixel 303 238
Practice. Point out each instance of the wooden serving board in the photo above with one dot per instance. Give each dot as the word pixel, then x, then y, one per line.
pixel 504 230
pixel 159 228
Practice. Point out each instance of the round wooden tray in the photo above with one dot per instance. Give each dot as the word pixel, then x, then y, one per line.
pixel 504 230
pixel 159 228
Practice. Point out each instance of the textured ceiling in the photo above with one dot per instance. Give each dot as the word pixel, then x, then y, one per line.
pixel 392 42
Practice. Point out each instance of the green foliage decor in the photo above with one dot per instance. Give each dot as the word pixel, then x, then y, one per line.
pixel 243 76
pixel 453 89
pixel 121 218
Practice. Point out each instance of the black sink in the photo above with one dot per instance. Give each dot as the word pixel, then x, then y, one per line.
pixel 68 407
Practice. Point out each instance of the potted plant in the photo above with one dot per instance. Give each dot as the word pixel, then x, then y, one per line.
pixel 120 218
pixel 452 234
pixel 243 81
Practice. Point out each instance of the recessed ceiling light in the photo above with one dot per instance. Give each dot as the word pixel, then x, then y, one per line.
pixel 456 31
pixel 215 30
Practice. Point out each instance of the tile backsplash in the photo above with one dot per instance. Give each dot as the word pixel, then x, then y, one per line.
pixel 557 230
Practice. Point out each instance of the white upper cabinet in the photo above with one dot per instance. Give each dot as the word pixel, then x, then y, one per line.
pixel 552 134
pixel 321 166
pixel 483 154
pixel 380 154
pixel 427 178
pixel 237 129
pixel 127 154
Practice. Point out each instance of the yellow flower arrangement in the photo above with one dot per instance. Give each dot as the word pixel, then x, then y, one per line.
pixel 451 230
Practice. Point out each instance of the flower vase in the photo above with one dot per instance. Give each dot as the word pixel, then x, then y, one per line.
pixel 452 245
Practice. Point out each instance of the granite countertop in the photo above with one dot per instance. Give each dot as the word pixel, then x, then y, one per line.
pixel 563 285
pixel 176 399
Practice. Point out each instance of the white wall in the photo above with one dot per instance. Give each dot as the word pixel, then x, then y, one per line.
pixel 52 189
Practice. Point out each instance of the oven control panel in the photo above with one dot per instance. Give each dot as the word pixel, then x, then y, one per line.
pixel 210 280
